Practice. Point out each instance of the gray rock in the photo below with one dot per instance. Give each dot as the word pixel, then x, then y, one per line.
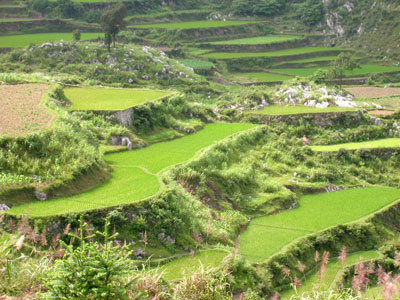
pixel 378 122
pixel 390 131
pixel 139 253
pixel 42 196
pixel 115 140
pixel 4 207
pixel 130 146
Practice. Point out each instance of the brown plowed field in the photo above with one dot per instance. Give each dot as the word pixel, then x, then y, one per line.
pixel 21 111
pixel 373 92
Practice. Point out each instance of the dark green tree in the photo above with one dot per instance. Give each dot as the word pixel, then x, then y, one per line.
pixel 76 35
pixel 342 64
pixel 113 21
pixel 93 270
pixel 311 12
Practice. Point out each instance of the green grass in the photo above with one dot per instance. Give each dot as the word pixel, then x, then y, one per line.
pixel 276 110
pixel 259 77
pixel 292 51
pixel 193 24
pixel 111 99
pixel 392 102
pixel 196 63
pixel 179 268
pixel 135 175
pixel 265 236
pixel 333 271
pixel 364 70
pixel 24 40
pixel 260 40
pixel 6 20
pixel 383 143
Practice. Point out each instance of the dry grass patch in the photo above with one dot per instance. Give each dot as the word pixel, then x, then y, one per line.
pixel 21 110
pixel 373 92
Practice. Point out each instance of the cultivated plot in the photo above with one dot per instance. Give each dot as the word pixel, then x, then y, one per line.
pixel 364 70
pixel 135 175
pixel 276 110
pixel 24 40
pixel 22 109
pixel 266 236
pixel 111 99
pixel 259 77
pixel 382 143
pixel 373 91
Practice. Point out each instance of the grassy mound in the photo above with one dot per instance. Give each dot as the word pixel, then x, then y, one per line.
pixel 383 143
pixel 265 236
pixel 135 173
pixel 111 99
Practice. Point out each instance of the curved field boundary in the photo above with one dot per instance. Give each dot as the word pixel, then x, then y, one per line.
pixel 186 266
pixel 193 25
pixel 331 276
pixel 136 173
pixel 279 110
pixel 376 144
pixel 266 236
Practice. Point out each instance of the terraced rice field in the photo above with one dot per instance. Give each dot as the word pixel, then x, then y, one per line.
pixel 260 40
pixel 24 40
pixel 259 77
pixel 22 110
pixel 266 236
pixel 331 276
pixel 111 99
pixel 364 70
pixel 276 110
pixel 193 24
pixel 313 59
pixel 188 265
pixel 286 52
pixel 135 175
pixel 383 143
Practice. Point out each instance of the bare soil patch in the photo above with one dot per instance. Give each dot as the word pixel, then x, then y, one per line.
pixel 373 92
pixel 21 111
pixel 381 112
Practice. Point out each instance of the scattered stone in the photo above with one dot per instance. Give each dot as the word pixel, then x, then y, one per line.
pixel 42 196
pixel 378 122
pixel 139 253
pixel 4 207
pixel 305 140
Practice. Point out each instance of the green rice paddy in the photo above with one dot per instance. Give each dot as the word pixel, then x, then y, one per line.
pixel 364 70
pixel 276 110
pixel 383 143
pixel 265 236
pixel 260 40
pixel 193 24
pixel 111 99
pixel 259 77
pixel 188 265
pixel 331 276
pixel 135 175
pixel 286 52
pixel 24 40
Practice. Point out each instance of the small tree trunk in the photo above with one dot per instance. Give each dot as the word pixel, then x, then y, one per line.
pixel 114 39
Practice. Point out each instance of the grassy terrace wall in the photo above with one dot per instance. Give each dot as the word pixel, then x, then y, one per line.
pixel 50 26
pixel 250 29
pixel 320 119
pixel 364 234
pixel 301 42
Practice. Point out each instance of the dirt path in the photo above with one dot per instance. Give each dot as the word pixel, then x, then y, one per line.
pixel 21 111
pixel 373 92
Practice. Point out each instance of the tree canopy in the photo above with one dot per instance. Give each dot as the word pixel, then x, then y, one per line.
pixel 113 22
